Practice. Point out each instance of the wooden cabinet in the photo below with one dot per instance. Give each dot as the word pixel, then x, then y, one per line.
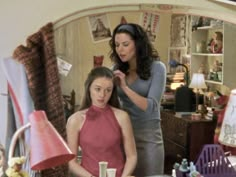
pixel 202 58
pixel 184 138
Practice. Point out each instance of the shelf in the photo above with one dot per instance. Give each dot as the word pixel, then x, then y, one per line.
pixel 203 61
pixel 214 82
pixel 209 27
pixel 208 54
pixel 204 27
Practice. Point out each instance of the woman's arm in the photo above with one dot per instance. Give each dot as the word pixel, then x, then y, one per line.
pixel 128 141
pixel 139 100
pixel 156 90
pixel 72 129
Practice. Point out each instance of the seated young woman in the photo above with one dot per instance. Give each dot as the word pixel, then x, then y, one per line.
pixel 101 129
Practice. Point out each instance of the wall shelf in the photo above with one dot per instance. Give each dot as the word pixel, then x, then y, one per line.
pixel 201 57
pixel 208 54
pixel 213 82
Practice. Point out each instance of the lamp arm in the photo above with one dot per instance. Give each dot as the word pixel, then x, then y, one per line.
pixel 14 139
pixel 186 74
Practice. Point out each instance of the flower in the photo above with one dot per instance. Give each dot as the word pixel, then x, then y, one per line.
pixel 16 160
pixel 15 167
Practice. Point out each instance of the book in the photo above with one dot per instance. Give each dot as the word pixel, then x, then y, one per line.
pixel 208 117
pixel 183 114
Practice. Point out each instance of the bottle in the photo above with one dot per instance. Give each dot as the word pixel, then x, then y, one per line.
pixel 193 171
pixel 173 173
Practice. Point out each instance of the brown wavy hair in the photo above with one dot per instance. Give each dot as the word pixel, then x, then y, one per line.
pixel 95 73
pixel 145 52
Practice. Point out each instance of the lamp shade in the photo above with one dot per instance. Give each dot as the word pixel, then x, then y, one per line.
pixel 48 149
pixel 198 81
pixel 228 129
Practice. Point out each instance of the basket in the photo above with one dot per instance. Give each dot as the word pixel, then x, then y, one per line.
pixel 212 162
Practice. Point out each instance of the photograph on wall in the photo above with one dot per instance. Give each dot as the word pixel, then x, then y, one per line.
pixel 178 31
pixel 99 27
pixel 179 55
pixel 98 60
pixel 150 22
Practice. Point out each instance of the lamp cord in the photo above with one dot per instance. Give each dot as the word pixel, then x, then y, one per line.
pixel 186 77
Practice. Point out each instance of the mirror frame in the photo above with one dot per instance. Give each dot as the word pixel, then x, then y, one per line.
pixel 211 9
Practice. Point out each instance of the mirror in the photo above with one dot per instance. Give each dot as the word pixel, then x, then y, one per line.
pixel 76 43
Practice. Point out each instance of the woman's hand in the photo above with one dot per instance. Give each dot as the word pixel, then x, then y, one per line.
pixel 120 78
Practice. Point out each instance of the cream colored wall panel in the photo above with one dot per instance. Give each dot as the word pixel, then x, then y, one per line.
pixel 115 18
pixel 67 39
pixel 163 37
pixel 229 55
pixel 60 41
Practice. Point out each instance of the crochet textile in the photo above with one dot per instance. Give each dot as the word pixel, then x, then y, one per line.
pixel 39 60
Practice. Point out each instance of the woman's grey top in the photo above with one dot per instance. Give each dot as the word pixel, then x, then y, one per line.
pixel 152 89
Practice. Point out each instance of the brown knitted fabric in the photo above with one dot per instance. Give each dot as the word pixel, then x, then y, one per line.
pixel 39 60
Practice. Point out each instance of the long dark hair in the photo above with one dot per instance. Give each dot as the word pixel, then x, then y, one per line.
pixel 145 52
pixel 95 73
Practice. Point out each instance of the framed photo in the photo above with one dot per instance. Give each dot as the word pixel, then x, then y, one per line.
pixel 150 22
pixel 178 54
pixel 178 31
pixel 99 27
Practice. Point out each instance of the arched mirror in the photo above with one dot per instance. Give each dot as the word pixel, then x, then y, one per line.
pixel 81 39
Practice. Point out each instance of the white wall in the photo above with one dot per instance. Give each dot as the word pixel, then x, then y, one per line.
pixel 3 107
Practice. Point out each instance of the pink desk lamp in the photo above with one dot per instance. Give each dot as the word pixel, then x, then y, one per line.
pixel 47 147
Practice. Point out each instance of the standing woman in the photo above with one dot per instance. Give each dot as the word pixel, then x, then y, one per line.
pixel 141 77
pixel 101 129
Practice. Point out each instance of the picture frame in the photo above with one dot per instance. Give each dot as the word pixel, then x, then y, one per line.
pixel 179 24
pixel 99 26
pixel 180 55
pixel 150 23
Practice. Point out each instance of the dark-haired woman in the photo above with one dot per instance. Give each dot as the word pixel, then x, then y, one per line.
pixel 141 77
